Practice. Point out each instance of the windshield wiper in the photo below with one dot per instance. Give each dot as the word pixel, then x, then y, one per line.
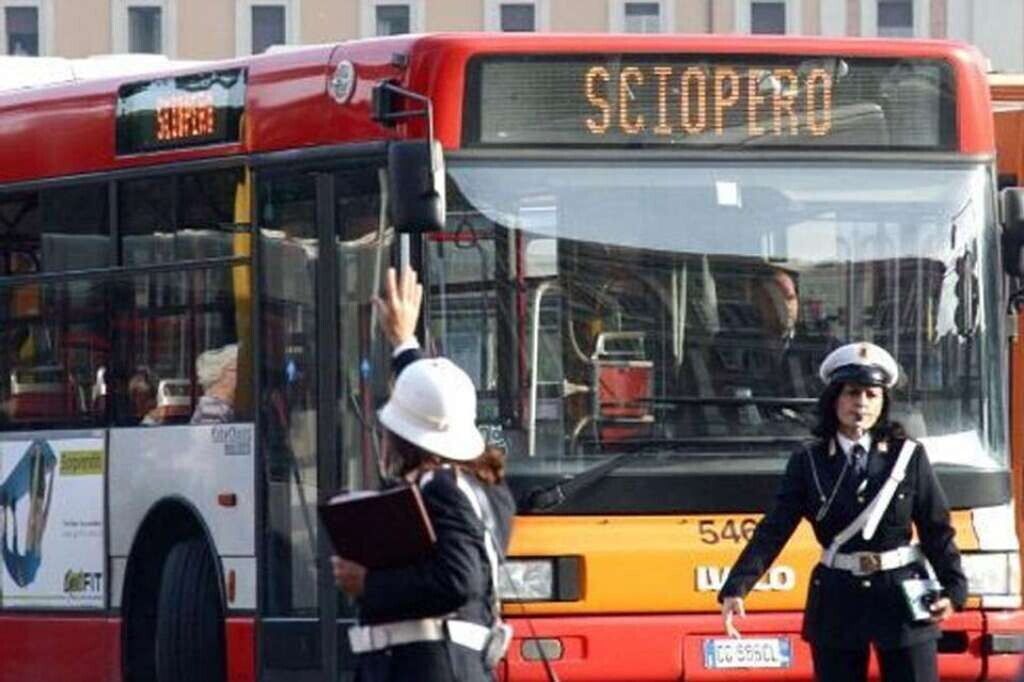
pixel 552 496
pixel 733 400
pixel 672 444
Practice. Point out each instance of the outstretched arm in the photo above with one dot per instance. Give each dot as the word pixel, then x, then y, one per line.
pixel 771 535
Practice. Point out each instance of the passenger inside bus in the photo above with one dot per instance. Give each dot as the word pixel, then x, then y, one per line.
pixel 142 397
pixel 767 350
pixel 217 373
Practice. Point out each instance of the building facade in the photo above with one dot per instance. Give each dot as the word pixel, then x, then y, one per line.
pixel 212 29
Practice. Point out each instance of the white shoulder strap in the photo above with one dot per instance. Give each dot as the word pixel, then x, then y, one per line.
pixel 871 516
pixel 896 476
pixel 490 545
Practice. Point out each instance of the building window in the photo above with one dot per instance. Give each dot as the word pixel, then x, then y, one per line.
pixel 144 30
pixel 518 17
pixel 268 22
pixel 25 27
pixel 392 20
pixel 895 18
pixel 764 17
pixel 260 24
pixel 768 17
pixel 22 24
pixel 389 18
pixel 643 17
pixel 144 26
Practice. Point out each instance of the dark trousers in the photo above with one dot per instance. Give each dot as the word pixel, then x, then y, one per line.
pixel 918 663
pixel 423 662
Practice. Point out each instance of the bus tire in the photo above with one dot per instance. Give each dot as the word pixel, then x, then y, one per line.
pixel 190 621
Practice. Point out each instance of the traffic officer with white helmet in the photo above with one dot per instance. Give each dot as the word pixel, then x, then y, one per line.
pixel 863 484
pixel 436 620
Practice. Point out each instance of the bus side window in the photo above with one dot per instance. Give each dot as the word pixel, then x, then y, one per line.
pixel 55 332
pixel 190 327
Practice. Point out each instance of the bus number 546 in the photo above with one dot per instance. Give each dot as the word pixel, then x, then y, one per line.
pixel 713 532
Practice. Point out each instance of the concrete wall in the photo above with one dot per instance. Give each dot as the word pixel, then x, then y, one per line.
pixel 692 16
pixel 81 27
pixel 197 42
pixel 995 27
pixel 587 16
pixel 324 21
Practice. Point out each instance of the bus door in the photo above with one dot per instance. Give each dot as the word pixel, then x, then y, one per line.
pixel 323 373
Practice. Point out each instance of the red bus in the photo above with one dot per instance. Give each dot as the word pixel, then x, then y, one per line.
pixel 190 361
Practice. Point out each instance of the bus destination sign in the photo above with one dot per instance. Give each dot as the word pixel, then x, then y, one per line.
pixel 180 112
pixel 714 101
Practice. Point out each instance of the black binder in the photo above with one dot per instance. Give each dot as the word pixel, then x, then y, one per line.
pixel 379 529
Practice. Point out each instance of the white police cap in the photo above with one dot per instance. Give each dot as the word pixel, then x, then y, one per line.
pixel 860 363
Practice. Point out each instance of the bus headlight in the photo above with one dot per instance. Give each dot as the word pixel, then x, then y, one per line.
pixel 992 573
pixel 525 579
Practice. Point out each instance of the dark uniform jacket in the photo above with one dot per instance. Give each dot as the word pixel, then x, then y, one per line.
pixel 454 580
pixel 845 611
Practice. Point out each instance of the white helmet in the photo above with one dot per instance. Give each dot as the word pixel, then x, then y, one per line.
pixel 433 406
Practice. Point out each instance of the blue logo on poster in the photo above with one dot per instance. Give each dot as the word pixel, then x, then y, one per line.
pixel 31 483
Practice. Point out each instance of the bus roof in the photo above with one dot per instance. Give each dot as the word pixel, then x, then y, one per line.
pixel 69 129
pixel 17 73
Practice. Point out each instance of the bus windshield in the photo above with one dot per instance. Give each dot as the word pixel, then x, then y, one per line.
pixel 666 307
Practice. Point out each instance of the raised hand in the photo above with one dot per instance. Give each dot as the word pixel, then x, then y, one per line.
pixel 399 310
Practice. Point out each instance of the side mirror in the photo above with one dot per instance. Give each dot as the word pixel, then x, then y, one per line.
pixel 1012 203
pixel 416 186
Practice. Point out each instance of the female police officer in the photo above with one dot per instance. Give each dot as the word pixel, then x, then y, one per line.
pixel 856 597
pixel 436 620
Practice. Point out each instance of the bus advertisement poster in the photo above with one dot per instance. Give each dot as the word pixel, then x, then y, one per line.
pixel 51 497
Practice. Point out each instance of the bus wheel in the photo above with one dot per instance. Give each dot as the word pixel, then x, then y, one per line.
pixel 190 623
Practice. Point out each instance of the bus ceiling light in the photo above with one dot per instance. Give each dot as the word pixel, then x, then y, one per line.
pixel 992 573
pixel 343 82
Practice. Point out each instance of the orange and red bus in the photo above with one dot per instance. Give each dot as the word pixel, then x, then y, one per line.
pixel 648 244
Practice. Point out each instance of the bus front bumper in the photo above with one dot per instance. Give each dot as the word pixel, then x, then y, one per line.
pixel 975 645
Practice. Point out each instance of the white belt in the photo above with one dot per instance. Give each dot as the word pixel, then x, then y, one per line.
pixel 866 563
pixel 366 638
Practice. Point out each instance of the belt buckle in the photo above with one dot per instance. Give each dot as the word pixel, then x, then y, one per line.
pixel 869 562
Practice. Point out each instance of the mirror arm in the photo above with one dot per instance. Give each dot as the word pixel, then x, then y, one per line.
pixel 383 110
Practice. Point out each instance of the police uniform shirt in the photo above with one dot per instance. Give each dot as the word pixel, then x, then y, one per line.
pixel 846 445
pixel 843 610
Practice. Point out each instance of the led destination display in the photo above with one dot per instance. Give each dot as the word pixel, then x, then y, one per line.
pixel 185 111
pixel 700 100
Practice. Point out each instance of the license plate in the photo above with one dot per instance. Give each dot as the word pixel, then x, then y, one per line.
pixel 749 652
